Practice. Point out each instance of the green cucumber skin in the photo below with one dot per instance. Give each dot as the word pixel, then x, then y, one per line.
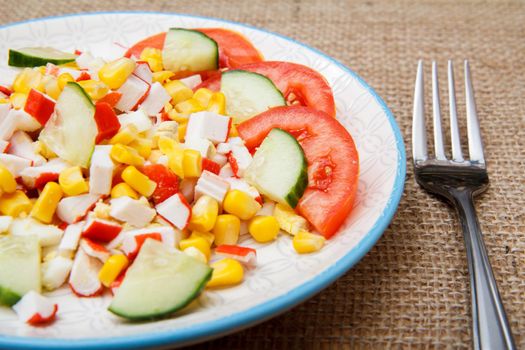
pixel 216 60
pixel 159 314
pixel 19 59
pixel 8 297
pixel 79 88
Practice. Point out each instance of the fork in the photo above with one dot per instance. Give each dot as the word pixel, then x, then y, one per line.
pixel 458 180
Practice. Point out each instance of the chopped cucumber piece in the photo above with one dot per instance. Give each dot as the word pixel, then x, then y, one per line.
pixel 278 169
pixel 71 130
pixel 20 267
pixel 161 281
pixel 189 50
pixel 248 94
pixel 38 56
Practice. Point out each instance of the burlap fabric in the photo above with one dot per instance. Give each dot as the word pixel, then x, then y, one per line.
pixel 411 290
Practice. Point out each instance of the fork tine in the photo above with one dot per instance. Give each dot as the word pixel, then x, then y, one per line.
pixel 457 155
pixel 438 134
pixel 475 145
pixel 419 136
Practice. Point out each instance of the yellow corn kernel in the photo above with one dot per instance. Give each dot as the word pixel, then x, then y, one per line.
pixel 123 189
pixel 168 145
pixel 217 103
pixel 226 230
pixel 178 91
pixel 4 101
pixel 72 182
pixel 126 155
pixel 125 135
pixel 204 213
pixel 306 242
pixel 196 254
pixel 115 73
pixel 44 151
pixel 18 99
pixel 197 242
pixel 26 80
pixel 233 131
pixel 143 146
pixel 189 106
pixel 182 131
pixel 95 89
pixel 154 58
pixel 264 228
pixel 176 162
pixel 51 87
pixel 226 272
pixel 288 220
pixel 180 118
pixel 209 237
pixel 241 204
pixel 7 180
pixel 162 76
pixel 102 210
pixel 46 204
pixel 14 204
pixel 168 107
pixel 192 163
pixel 63 79
pixel 203 96
pixel 138 181
pixel 112 268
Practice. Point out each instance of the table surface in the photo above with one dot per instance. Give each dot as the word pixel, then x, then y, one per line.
pixel 411 290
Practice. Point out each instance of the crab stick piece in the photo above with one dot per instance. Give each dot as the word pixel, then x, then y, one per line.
pixel 134 91
pixel 15 164
pixel 208 125
pixel 69 242
pixel 22 145
pixel 211 185
pixel 39 106
pixel 17 119
pixel 38 176
pixel 139 119
pixel 101 171
pixel 94 250
pixel 83 279
pixel 245 255
pixel 101 230
pixel 175 210
pixel 54 272
pixel 134 212
pixel 143 71
pixel 74 208
pixel 35 309
pixel 156 99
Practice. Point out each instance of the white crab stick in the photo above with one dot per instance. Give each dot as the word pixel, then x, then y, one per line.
pixel 14 164
pixel 55 272
pixel 74 208
pixel 132 211
pixel 94 250
pixel 133 91
pixel 48 235
pixel 156 99
pixel 22 146
pixel 69 242
pixel 31 176
pixel 83 279
pixel 139 119
pixel 203 146
pixel 143 71
pixel 211 185
pixel 17 119
pixel 208 125
pixel 192 81
pixel 34 308
pixel 101 171
pixel 175 210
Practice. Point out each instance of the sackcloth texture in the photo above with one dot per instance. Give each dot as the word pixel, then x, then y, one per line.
pixel 411 290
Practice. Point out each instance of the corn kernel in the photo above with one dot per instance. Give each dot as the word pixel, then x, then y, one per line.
pixel 176 162
pixel 197 242
pixel 46 204
pixel 72 182
pixel 112 268
pixel 192 163
pixel 241 204
pixel 115 73
pixel 227 229
pixel 168 107
pixel 18 99
pixel 123 189
pixel 7 180
pixel 4 101
pixel 154 58
pixel 209 237
pixel 203 96
pixel 288 220
pixel 14 204
pixel 44 151
pixel 168 145
pixel 182 131
pixel 264 228
pixel 95 89
pixel 143 146
pixel 126 155
pixel 306 242
pixel 178 91
pixel 226 272
pixel 196 254
pixel 203 214
pixel 102 210
pixel 63 79
pixel 233 131
pixel 26 80
pixel 162 76
pixel 125 135
pixel 189 106
pixel 217 103
pixel 51 87
pixel 138 181
pixel 180 118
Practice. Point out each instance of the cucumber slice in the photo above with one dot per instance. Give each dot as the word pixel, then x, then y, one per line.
pixel 38 56
pixel 161 281
pixel 278 168
pixel 72 129
pixel 248 94
pixel 20 267
pixel 189 50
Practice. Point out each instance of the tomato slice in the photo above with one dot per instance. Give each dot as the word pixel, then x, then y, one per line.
pixel 333 163
pixel 234 49
pixel 299 84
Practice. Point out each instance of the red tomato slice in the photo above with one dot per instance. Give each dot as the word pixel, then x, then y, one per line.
pixel 299 84
pixel 234 49
pixel 333 163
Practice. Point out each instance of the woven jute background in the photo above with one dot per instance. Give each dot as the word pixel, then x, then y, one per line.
pixel 411 290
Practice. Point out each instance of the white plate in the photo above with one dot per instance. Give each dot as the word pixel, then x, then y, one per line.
pixel 282 278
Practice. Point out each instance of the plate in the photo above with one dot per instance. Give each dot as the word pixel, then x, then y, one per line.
pixel 283 278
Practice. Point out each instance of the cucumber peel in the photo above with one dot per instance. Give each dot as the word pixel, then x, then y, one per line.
pixel 38 56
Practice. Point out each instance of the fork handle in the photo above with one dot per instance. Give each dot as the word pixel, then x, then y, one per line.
pixel 491 328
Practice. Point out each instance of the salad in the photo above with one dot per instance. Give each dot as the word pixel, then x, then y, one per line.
pixel 140 175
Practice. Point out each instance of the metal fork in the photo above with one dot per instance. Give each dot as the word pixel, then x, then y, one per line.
pixel 458 180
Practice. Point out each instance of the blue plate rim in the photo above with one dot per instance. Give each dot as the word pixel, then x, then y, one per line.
pixel 212 329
